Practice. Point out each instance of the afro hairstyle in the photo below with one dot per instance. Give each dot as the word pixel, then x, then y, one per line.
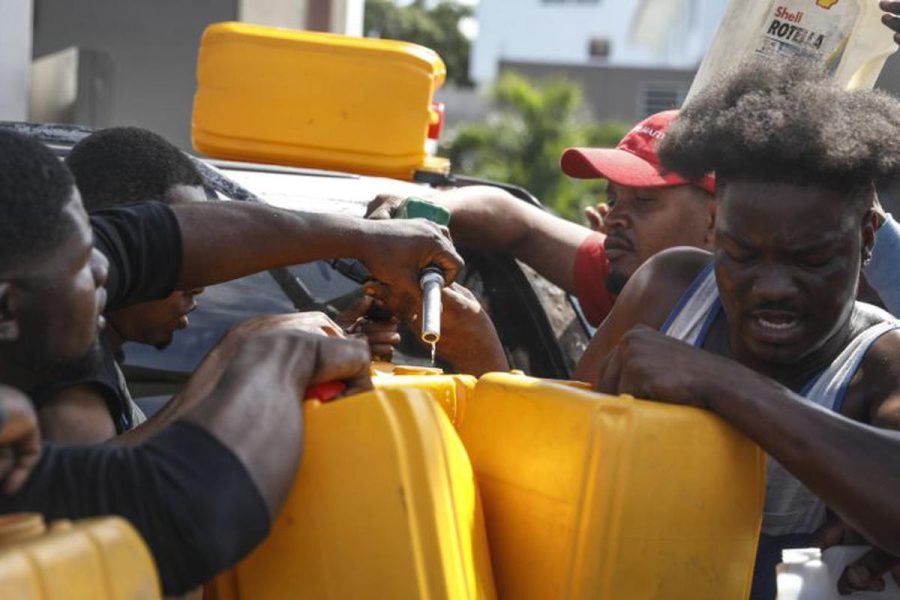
pixel 35 187
pixel 782 121
pixel 121 165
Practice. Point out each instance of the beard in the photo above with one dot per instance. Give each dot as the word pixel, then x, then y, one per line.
pixel 37 358
pixel 615 282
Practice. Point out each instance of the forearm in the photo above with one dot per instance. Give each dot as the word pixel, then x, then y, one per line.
pixel 850 465
pixel 486 218
pixel 491 220
pixel 237 239
pixel 198 388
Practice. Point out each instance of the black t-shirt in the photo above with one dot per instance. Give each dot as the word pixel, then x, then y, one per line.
pixel 143 245
pixel 106 379
pixel 188 495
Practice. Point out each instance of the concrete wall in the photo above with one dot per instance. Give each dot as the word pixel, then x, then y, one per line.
pixel 153 46
pixel 15 58
pixel 611 93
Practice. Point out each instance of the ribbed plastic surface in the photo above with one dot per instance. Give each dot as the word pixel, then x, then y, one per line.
pixel 317 100
pixel 592 496
pixel 93 559
pixel 384 506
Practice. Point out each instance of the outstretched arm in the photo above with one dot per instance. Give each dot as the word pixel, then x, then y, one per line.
pixel 489 219
pixel 227 240
pixel 203 491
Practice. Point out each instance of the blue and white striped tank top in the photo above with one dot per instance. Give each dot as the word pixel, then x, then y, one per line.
pixel 790 507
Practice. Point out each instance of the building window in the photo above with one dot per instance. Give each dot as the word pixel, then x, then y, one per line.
pixel 598 48
pixel 657 96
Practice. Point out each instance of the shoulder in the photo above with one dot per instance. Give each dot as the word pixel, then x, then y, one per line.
pixel 659 283
pixel 877 380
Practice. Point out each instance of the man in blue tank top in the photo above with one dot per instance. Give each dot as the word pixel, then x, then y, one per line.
pixel 765 330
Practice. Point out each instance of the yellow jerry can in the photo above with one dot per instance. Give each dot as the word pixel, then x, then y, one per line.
pixel 450 391
pixel 320 100
pixel 593 496
pixel 92 559
pixel 384 506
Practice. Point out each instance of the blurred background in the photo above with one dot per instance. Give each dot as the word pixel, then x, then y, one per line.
pixel 526 78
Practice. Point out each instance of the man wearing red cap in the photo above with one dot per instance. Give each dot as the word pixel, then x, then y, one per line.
pixel 650 210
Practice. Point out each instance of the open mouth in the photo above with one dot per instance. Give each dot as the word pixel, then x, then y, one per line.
pixel 776 327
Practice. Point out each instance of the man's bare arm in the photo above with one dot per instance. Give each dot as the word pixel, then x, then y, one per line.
pixel 203 383
pixel 227 240
pixel 76 415
pixel 647 299
pixel 850 465
pixel 254 409
pixel 492 220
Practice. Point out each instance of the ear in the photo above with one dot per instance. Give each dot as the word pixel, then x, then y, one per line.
pixel 9 321
pixel 868 228
pixel 711 223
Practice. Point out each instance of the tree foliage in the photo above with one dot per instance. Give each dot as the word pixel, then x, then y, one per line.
pixel 436 28
pixel 522 140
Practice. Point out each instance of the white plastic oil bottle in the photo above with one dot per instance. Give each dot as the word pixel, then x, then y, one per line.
pixel 846 37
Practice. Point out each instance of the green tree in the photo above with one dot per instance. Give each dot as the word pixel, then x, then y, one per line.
pixel 436 28
pixel 522 140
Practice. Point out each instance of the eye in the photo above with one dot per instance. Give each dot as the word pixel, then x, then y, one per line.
pixel 738 255
pixel 610 202
pixel 815 260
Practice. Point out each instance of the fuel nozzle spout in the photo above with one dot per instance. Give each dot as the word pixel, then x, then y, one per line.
pixel 431 281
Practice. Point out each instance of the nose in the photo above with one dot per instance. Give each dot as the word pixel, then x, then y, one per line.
pixel 774 283
pixel 99 268
pixel 617 217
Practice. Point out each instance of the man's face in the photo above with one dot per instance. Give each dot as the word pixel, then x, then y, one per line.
pixel 63 300
pixel 644 221
pixel 155 323
pixel 787 265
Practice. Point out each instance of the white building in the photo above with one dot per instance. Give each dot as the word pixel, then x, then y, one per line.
pixel 640 33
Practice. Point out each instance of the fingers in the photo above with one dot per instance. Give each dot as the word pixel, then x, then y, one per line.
pixel 381 336
pixel 595 221
pixel 383 206
pixel 350 315
pixel 20 440
pixel 343 360
pixel 28 453
pixel 610 372
pixel 890 6
pixel 447 258
pixel 833 533
pixel 867 572
pixel 891 20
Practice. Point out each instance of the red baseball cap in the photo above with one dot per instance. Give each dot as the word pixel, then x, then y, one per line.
pixel 633 162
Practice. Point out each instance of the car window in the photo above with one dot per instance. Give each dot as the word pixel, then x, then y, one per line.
pixel 533 342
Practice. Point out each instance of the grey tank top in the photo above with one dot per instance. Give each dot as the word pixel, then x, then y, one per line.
pixel 789 507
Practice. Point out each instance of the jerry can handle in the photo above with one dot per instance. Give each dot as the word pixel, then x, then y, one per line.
pixel 325 392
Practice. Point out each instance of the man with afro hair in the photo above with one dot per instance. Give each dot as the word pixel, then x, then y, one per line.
pixel 765 330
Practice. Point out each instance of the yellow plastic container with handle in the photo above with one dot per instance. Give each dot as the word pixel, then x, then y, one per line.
pixel 320 100
pixel 92 559
pixel 593 496
pixel 384 506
